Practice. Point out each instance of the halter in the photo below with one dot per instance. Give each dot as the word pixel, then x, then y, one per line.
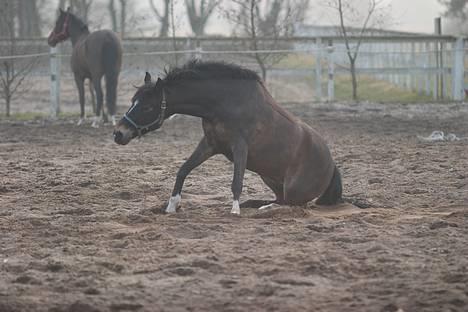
pixel 158 122
pixel 63 35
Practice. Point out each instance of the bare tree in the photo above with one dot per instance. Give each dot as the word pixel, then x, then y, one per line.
pixel 456 8
pixel 13 71
pixel 173 31
pixel 28 19
pixel 113 15
pixel 198 14
pixel 7 20
pixel 349 10
pixel 162 16
pixel 272 19
pixel 456 12
pixel 118 21
pixel 79 7
pixel 123 16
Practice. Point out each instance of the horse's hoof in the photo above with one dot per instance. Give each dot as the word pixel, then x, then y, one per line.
pixel 235 208
pixel 80 122
pixel 173 203
pixel 95 125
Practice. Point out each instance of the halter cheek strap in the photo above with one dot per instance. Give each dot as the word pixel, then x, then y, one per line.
pixel 63 34
pixel 158 122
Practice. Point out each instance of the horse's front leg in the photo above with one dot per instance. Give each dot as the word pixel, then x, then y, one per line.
pixel 80 85
pixel 199 156
pixel 239 154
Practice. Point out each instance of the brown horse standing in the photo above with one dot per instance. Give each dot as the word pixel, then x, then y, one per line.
pixel 94 55
pixel 243 122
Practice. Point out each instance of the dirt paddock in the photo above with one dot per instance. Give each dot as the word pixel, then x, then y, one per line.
pixel 81 227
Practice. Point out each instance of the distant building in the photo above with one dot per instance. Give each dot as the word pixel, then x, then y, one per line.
pixel 308 30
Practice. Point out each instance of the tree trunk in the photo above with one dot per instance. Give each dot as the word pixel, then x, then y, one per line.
pixel 28 19
pixel 123 17
pixel 113 14
pixel 174 42
pixel 352 62
pixel 163 18
pixel 7 13
pixel 8 103
pixel 199 18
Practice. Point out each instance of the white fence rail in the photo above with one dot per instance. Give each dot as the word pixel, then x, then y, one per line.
pixel 429 65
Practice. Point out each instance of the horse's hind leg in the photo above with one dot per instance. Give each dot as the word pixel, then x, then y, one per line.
pixel 99 98
pixel 199 156
pixel 275 186
pixel 334 191
pixel 80 85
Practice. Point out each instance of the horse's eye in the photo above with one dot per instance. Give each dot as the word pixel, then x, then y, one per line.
pixel 147 109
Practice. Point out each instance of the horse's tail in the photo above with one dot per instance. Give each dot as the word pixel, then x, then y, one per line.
pixel 334 191
pixel 112 61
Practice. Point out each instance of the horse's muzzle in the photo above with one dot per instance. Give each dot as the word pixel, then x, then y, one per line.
pixel 123 134
pixel 52 40
pixel 118 137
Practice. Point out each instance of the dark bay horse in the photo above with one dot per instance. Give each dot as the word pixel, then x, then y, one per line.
pixel 94 55
pixel 244 123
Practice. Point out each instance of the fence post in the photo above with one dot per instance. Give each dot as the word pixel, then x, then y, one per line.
pixel 54 82
pixel 318 69
pixel 198 51
pixel 458 70
pixel 331 72
pixel 427 68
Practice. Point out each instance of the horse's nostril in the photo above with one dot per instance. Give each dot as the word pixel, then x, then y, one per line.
pixel 118 136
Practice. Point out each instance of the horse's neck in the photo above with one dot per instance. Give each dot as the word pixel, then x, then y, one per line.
pixel 77 34
pixel 190 104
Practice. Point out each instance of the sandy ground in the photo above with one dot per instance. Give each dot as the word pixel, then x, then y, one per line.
pixel 81 227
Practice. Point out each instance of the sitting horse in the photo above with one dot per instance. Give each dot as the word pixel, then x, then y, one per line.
pixel 243 122
pixel 94 55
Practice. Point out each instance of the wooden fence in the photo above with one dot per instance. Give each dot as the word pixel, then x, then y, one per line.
pixel 430 65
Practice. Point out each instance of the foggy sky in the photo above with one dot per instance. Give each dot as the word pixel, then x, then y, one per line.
pixel 406 15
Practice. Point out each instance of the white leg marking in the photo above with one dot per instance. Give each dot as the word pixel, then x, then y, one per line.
pixel 80 122
pixel 96 121
pixel 264 207
pixel 235 207
pixel 113 120
pixel 173 203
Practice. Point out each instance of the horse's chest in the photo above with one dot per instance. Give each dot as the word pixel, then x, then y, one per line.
pixel 219 136
pixel 79 63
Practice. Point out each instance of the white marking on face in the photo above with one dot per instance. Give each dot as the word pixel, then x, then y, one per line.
pixel 133 106
pixel 173 203
pixel 235 207
pixel 265 207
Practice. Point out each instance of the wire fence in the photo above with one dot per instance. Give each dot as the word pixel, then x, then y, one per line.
pixel 299 69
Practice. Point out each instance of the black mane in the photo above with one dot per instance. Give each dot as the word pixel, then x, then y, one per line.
pixel 78 22
pixel 200 70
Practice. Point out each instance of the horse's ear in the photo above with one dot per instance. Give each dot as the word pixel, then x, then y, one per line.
pixel 147 78
pixel 69 10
